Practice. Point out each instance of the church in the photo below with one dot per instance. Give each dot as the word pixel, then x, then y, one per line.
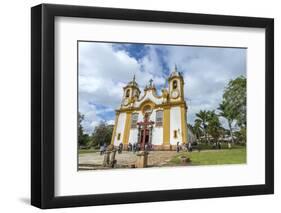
pixel 159 121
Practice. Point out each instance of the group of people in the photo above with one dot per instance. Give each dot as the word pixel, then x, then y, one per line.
pixel 148 147
pixel 131 148
pixel 137 147
pixel 188 147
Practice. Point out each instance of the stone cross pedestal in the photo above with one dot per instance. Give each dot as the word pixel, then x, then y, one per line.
pixel 109 157
pixel 106 158
pixel 142 158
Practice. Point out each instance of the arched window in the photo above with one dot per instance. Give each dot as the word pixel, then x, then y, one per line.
pixel 128 93
pixel 136 93
pixel 175 84
pixel 159 118
pixel 134 120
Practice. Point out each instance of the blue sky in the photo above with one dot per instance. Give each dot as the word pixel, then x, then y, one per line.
pixel 105 68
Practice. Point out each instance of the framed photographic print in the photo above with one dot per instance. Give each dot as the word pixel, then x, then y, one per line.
pixel 141 106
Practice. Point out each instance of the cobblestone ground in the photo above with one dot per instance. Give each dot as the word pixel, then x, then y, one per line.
pixel 126 159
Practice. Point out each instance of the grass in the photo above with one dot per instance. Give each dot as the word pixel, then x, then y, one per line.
pixel 208 156
pixel 205 146
pixel 213 157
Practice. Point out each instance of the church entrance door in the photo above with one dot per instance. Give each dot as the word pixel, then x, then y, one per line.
pixel 145 128
pixel 145 136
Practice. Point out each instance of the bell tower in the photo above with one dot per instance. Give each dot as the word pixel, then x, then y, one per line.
pixel 176 86
pixel 131 93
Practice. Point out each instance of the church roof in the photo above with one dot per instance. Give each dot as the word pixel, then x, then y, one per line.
pixel 133 83
pixel 150 86
pixel 175 73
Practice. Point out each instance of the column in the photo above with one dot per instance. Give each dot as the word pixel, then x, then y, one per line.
pixel 127 129
pixel 183 124
pixel 166 127
pixel 139 134
pixel 150 134
pixel 114 128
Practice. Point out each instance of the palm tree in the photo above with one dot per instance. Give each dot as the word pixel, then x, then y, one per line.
pixel 226 112
pixel 214 126
pixel 202 120
pixel 197 130
pixel 193 134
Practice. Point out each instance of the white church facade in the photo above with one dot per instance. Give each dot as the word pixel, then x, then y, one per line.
pixel 156 120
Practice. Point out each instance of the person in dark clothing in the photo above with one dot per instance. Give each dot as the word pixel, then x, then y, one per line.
pixel 189 147
pixel 129 147
pixel 120 148
pixel 178 146
pixel 134 147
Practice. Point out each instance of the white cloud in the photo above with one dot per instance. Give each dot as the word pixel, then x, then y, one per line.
pixel 206 73
pixel 103 72
pixel 105 69
pixel 110 122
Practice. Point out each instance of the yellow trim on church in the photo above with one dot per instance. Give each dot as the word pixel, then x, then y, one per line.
pixel 127 128
pixel 114 128
pixel 154 106
pixel 166 126
pixel 183 124
pixel 134 103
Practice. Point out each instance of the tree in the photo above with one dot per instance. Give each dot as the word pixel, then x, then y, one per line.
pixel 201 121
pixel 83 138
pixel 214 126
pixel 227 113
pixel 197 131
pixel 235 98
pixel 241 135
pixel 102 134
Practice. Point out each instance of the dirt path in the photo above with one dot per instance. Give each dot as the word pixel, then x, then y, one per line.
pixel 155 158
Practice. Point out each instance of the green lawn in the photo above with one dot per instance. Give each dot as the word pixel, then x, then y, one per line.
pixel 213 157
pixel 236 155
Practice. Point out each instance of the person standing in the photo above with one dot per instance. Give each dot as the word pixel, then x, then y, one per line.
pixel 120 148
pixel 189 147
pixel 102 149
pixel 178 147
pixel 134 147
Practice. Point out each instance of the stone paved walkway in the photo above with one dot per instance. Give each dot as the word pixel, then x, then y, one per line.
pixel 95 160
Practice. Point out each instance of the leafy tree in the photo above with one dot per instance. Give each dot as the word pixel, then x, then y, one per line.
pixel 102 134
pixel 83 138
pixel 197 130
pixel 235 98
pixel 214 126
pixel 227 113
pixel 241 135
pixel 234 101
pixel 201 121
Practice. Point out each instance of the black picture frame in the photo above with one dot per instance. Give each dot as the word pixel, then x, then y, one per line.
pixel 43 102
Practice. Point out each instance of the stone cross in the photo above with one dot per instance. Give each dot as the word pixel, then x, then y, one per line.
pixel 150 82
pixel 145 125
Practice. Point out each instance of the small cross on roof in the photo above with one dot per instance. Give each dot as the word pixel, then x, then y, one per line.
pixel 150 82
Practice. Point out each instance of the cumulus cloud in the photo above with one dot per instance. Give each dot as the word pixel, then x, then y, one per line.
pixel 105 68
pixel 103 72
pixel 207 70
